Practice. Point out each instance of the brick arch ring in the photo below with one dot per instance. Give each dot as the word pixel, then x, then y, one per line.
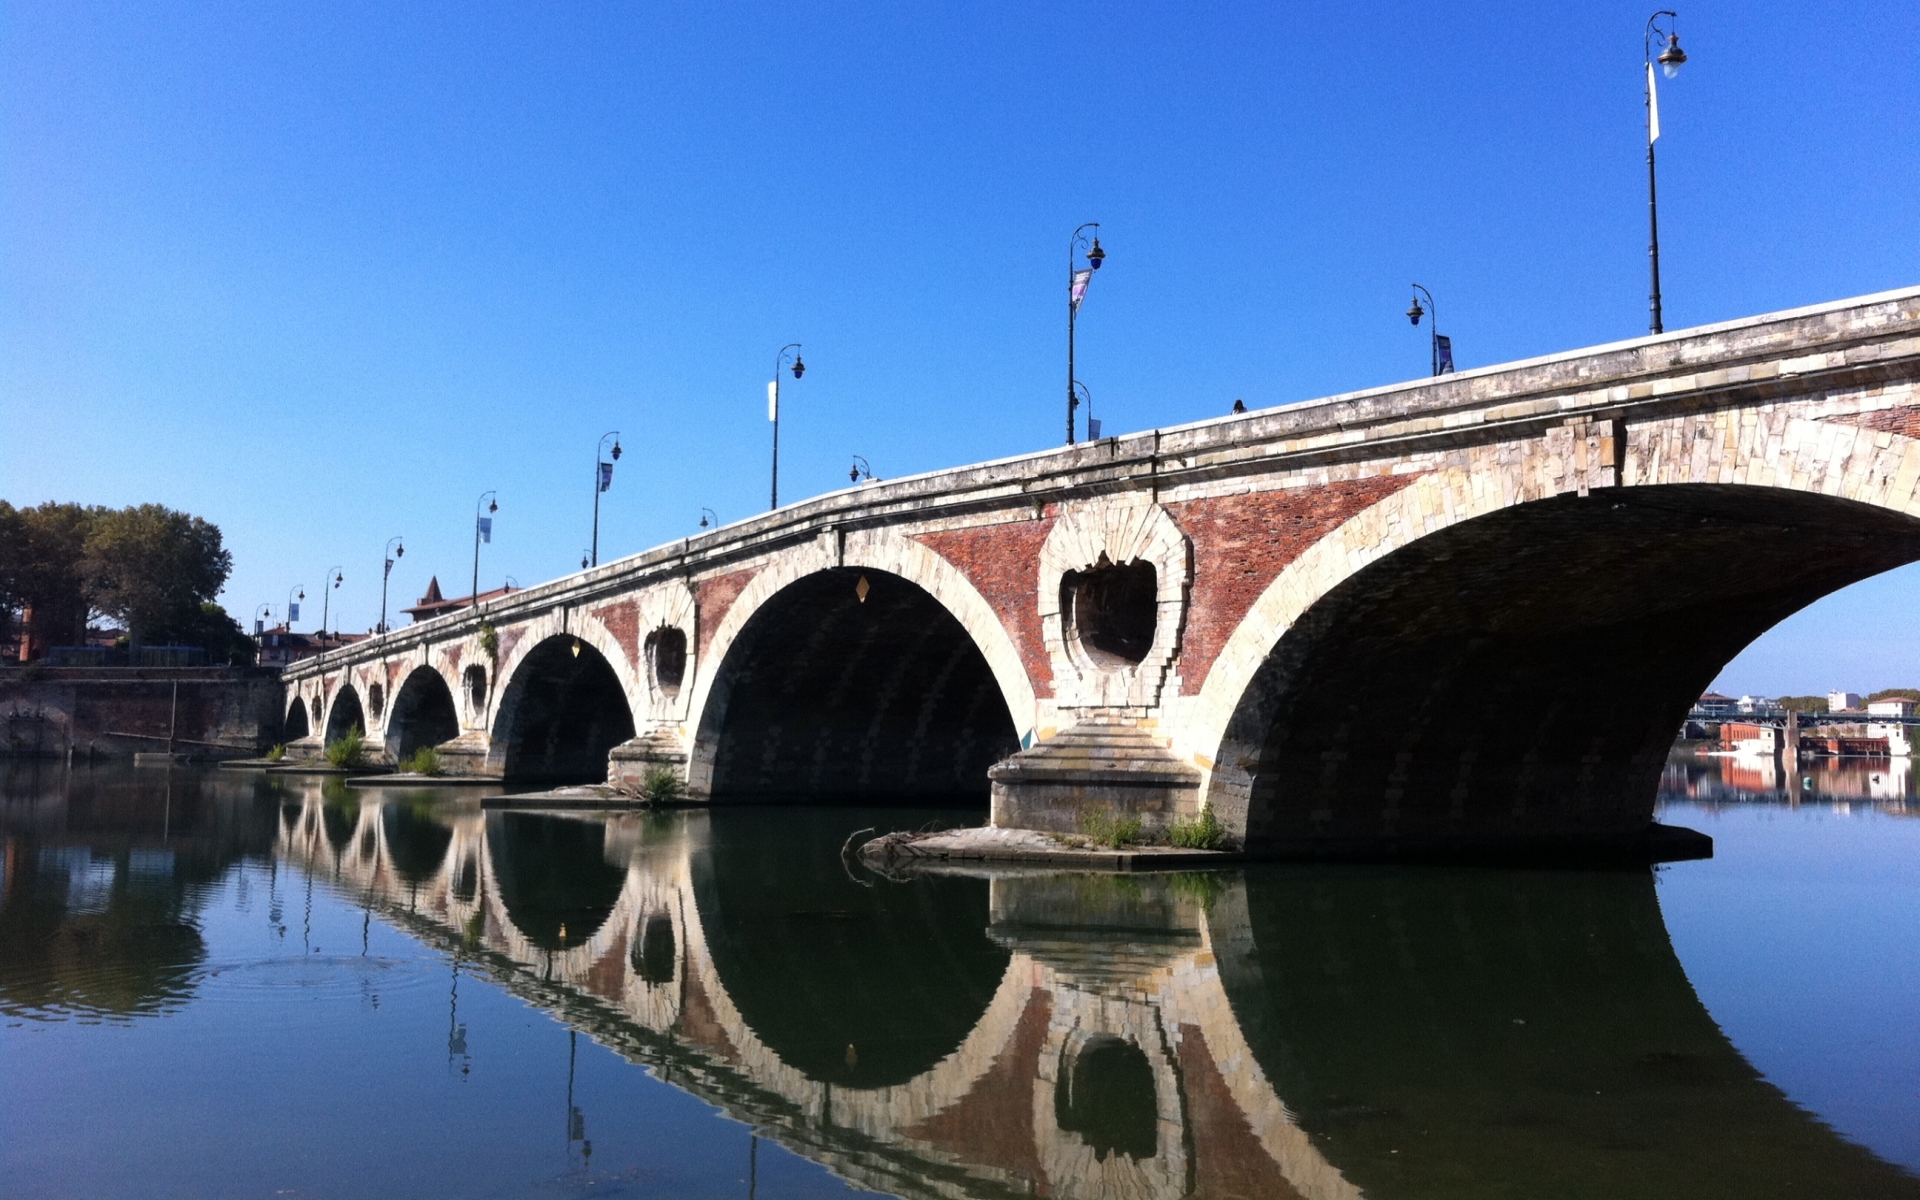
pixel 1117 530
pixel 875 550
pixel 571 622
pixel 1454 492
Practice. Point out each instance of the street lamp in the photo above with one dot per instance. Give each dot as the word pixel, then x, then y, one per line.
pixel 293 609
pixel 773 408
pixel 395 552
pixel 1085 395
pixel 602 480
pixel 1442 345
pixel 483 531
pixel 706 513
pixel 259 622
pixel 1669 60
pixel 859 470
pixel 1078 277
pixel 326 597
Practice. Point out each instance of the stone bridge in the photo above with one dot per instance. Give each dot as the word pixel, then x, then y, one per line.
pixel 1469 611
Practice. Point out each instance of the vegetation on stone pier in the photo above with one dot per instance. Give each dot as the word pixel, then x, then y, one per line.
pixel 1203 832
pixel 424 761
pixel 349 751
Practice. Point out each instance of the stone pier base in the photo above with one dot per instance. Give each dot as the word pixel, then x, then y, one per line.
pixel 1094 768
pixel 630 762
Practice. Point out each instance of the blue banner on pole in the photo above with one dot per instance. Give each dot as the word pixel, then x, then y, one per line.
pixel 293 614
pixel 1445 346
pixel 486 528
pixel 606 476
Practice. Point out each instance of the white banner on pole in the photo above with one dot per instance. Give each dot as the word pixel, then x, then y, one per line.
pixel 773 401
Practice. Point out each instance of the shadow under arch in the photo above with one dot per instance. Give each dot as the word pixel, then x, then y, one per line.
pixel 423 714
pixel 561 713
pixel 852 986
pixel 1517 679
pixel 345 713
pixel 295 726
pixel 556 884
pixel 834 693
pixel 1459 1032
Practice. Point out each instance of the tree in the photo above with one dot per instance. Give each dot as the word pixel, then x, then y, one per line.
pixel 153 567
pixel 214 630
pixel 40 554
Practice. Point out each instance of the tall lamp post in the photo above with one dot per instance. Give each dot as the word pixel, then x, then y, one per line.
pixel 483 531
pixel 395 551
pixel 293 608
pixel 326 597
pixel 1441 344
pixel 799 368
pixel 260 615
pixel 602 480
pixel 1085 396
pixel 1669 60
pixel 1078 277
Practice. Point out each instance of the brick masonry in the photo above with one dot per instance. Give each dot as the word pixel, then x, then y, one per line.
pixel 1241 542
pixel 1002 562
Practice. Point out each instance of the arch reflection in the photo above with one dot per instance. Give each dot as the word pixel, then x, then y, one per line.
pixel 1324 1032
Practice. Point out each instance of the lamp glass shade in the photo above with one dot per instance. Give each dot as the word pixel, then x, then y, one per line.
pixel 1416 312
pixel 399 551
pixel 1672 56
pixel 1096 256
pixel 616 452
pixel 799 368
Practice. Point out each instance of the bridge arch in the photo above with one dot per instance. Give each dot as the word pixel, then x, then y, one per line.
pixel 345 713
pixel 563 708
pixel 295 726
pixel 909 690
pixel 423 713
pixel 1452 666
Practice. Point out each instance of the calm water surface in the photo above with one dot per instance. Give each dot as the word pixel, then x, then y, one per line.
pixel 216 984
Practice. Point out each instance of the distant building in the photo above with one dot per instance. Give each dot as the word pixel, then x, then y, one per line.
pixel 1750 739
pixel 1714 703
pixel 1843 701
pixel 433 604
pixel 280 646
pixel 1899 743
pixel 1757 705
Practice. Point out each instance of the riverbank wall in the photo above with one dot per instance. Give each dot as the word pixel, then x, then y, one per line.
pixel 116 712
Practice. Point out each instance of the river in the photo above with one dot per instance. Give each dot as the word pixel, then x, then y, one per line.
pixel 224 984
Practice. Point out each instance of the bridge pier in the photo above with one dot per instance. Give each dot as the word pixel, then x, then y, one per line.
pixel 1099 767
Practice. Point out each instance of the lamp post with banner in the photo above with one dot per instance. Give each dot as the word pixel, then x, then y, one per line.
pixel 1440 344
pixel 1078 277
pixel 602 480
pixel 1669 60
pixel 798 368
pixel 482 532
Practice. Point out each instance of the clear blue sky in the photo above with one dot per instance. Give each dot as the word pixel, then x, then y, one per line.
pixel 324 273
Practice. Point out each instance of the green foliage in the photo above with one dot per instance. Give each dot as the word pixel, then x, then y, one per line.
pixel 424 761
pixel 490 640
pixel 277 753
pixel 1895 694
pixel 1203 832
pixel 349 751
pixel 150 565
pixel 1203 886
pixel 211 628
pixel 1110 829
pixel 662 785
pixel 1805 704
pixel 40 554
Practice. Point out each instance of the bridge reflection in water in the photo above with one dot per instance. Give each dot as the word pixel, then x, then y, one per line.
pixel 1280 1031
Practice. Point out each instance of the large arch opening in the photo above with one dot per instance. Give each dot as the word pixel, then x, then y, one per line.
pixel 562 712
pixel 423 714
pixel 1517 679
pixel 345 714
pixel 855 686
pixel 295 726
